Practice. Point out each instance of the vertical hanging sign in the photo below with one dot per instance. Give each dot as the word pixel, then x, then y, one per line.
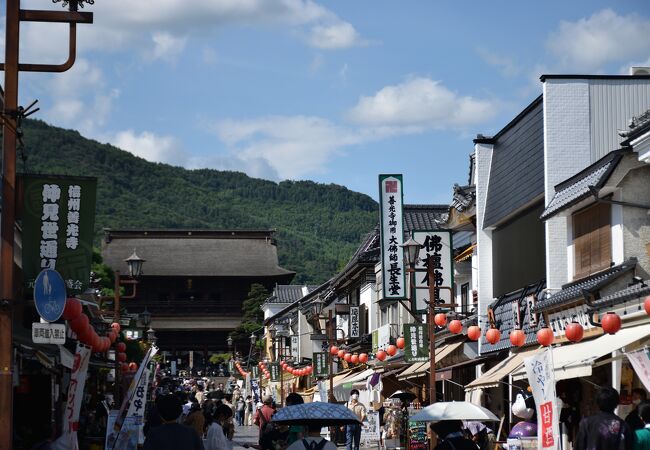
pixel 541 376
pixel 274 368
pixel 392 234
pixel 417 342
pixel 58 227
pixel 437 249
pixel 321 368
pixel 355 322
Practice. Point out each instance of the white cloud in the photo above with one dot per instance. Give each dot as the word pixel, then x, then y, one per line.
pixel 605 37
pixel 152 147
pixel 421 103
pixel 506 66
pixel 343 72
pixel 338 35
pixel 167 46
pixel 293 146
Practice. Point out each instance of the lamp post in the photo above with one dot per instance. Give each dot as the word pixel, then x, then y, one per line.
pixel 12 116
pixel 411 251
pixel 317 309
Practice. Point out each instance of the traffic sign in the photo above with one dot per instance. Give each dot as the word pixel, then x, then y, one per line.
pixel 48 333
pixel 49 295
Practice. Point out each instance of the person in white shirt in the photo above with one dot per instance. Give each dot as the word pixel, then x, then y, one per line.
pixel 216 438
pixel 314 441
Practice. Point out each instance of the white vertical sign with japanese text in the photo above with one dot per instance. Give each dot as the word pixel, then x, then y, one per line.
pixel 355 322
pixel 541 377
pixel 437 249
pixel 68 438
pixel 392 236
pixel 640 361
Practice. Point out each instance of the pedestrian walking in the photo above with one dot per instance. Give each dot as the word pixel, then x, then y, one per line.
pixel 633 419
pixel 604 430
pixel 248 414
pixel 353 431
pixel 642 436
pixel 450 436
pixel 313 441
pixel 241 409
pixel 217 438
pixel 171 435
pixel 195 419
pixel 296 432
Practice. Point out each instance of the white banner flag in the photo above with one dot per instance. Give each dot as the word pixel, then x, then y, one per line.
pixel 541 377
pixel 68 439
pixel 640 361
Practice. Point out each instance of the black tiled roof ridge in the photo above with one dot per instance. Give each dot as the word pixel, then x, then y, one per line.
pixel 481 139
pixel 614 154
pixel 426 206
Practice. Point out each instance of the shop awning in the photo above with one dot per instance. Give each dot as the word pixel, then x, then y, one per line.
pixel 492 377
pixel 419 370
pixel 358 376
pixel 576 360
pixel 338 379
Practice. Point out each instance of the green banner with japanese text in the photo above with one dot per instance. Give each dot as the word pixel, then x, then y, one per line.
pixel 417 342
pixel 274 368
pixel 321 368
pixel 58 220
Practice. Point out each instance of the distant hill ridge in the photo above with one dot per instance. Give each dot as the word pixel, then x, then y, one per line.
pixel 319 226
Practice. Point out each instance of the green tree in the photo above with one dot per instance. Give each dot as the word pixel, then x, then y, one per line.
pixel 252 317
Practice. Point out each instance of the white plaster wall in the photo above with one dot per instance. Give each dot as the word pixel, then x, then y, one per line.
pixel 369 300
pixel 566 152
pixel 483 237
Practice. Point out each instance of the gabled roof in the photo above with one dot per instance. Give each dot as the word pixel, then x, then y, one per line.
pixel 576 188
pixel 504 321
pixel 289 293
pixel 638 126
pixel 633 292
pixel 297 303
pixel 575 290
pixel 198 253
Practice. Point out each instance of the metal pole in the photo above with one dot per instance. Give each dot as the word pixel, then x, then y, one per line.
pixel 330 339
pixel 116 318
pixel 432 331
pixel 8 221
pixel 280 352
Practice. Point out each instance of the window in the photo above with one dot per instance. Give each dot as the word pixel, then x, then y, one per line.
pixel 592 240
pixel 464 297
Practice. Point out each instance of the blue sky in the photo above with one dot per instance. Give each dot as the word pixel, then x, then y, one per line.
pixel 332 91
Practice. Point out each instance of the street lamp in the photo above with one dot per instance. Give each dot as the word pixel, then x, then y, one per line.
pixel 134 262
pixel 145 317
pixel 151 336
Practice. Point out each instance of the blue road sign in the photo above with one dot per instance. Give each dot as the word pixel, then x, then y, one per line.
pixel 49 295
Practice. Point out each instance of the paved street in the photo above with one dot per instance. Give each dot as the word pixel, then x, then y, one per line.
pixel 245 434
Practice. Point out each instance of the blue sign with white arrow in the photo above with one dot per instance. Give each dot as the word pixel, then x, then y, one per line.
pixel 49 295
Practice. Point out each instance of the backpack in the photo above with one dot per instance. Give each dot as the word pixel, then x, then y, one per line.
pixel 314 445
pixel 270 434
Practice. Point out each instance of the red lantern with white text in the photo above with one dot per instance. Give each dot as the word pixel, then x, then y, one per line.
pixel 574 332
pixel 401 342
pixel 545 336
pixel 493 336
pixel 455 326
pixel 517 337
pixel 611 323
pixel 474 332
pixel 440 319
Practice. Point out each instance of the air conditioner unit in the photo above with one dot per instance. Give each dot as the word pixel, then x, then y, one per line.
pixel 638 70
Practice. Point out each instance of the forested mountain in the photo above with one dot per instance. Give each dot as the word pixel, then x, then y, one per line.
pixel 319 226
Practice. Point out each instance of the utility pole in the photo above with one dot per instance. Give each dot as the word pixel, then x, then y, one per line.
pixel 11 114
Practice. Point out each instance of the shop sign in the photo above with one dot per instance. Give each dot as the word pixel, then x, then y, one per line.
pixel 370 428
pixel 75 397
pixel 640 361
pixel 48 333
pixel 274 369
pixel 375 340
pixel 383 337
pixel 58 226
pixel 355 322
pixel 49 295
pixel 295 350
pixel 231 366
pixel 541 377
pixel 392 234
pixel 321 367
pixel 531 300
pixel 255 372
pixel 559 320
pixel 417 342
pixel 437 249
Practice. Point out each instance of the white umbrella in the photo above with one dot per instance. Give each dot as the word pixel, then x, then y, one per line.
pixel 453 411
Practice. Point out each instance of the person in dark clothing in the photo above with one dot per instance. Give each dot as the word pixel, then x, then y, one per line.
pixel 604 430
pixel 171 435
pixel 632 419
pixel 451 436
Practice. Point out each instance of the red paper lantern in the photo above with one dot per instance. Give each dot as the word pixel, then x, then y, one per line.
pixel 440 319
pixel 611 323
pixel 363 358
pixel 116 326
pixel 112 336
pixel 517 337
pixel 334 349
pixel 545 336
pixel 381 355
pixel 72 309
pixel 341 353
pixel 354 359
pixel 86 335
pixel 455 326
pixel 310 370
pixel 133 366
pixel 474 332
pixel 107 344
pixel 574 332
pixel 121 357
pixel 347 357
pixel 267 375
pixel 401 342
pixel 80 323
pixel 646 305
pixel 391 350
pixel 493 336
pixel 120 347
pixel 124 367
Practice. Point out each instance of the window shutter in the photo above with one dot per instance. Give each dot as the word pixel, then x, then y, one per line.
pixel 592 240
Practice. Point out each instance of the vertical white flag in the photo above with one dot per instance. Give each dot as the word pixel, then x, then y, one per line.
pixel 640 361
pixel 541 377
